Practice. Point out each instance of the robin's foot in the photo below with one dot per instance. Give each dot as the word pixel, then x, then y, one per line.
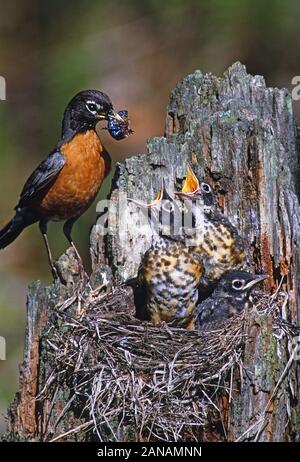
pixel 81 269
pixel 57 274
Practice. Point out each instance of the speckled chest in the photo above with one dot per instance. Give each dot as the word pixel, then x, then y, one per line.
pixel 218 242
pixel 171 274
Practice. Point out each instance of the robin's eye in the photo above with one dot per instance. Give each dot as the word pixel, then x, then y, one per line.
pixel 92 107
pixel 238 284
pixel 206 188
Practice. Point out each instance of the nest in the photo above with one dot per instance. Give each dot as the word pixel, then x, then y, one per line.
pixel 130 380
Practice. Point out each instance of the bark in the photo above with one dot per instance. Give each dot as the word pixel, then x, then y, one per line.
pixel 242 138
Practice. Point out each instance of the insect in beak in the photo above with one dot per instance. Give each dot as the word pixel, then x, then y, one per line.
pixel 116 116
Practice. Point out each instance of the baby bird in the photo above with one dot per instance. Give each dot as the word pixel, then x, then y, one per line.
pixel 213 237
pixel 231 296
pixel 170 272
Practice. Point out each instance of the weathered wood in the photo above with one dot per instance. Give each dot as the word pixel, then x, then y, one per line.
pixel 241 137
pixel 22 413
pixel 259 411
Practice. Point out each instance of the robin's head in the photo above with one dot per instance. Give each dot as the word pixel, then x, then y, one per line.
pixel 195 189
pixel 238 285
pixel 86 109
pixel 164 213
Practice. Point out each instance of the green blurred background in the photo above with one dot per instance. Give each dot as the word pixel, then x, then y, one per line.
pixel 136 51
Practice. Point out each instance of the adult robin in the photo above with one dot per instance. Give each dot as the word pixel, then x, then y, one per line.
pixel 170 272
pixel 212 236
pixel 231 296
pixel 65 184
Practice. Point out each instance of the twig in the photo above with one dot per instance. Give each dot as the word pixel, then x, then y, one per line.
pixel 73 430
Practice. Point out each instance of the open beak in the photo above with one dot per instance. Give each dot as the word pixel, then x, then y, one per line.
pixel 159 197
pixel 112 114
pixel 191 184
pixel 163 191
pixel 257 278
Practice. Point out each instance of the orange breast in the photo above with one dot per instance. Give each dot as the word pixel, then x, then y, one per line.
pixel 79 181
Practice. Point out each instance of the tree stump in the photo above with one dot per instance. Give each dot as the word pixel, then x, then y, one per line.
pixel 241 137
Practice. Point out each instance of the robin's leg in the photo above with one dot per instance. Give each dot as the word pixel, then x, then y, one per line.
pixel 67 231
pixel 43 229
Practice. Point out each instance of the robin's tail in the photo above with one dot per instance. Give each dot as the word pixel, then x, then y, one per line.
pixel 11 231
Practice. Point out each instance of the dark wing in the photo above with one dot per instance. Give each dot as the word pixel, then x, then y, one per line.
pixel 204 313
pixel 42 177
pixel 214 312
pixel 143 265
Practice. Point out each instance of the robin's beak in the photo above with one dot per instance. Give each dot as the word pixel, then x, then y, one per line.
pixel 157 200
pixel 191 184
pixel 164 195
pixel 161 195
pixel 256 279
pixel 112 114
pixel 116 116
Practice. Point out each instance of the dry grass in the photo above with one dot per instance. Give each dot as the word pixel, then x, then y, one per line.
pixel 165 384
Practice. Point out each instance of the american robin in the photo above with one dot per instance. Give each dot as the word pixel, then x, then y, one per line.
pixel 169 272
pixel 213 237
pixel 231 296
pixel 65 184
